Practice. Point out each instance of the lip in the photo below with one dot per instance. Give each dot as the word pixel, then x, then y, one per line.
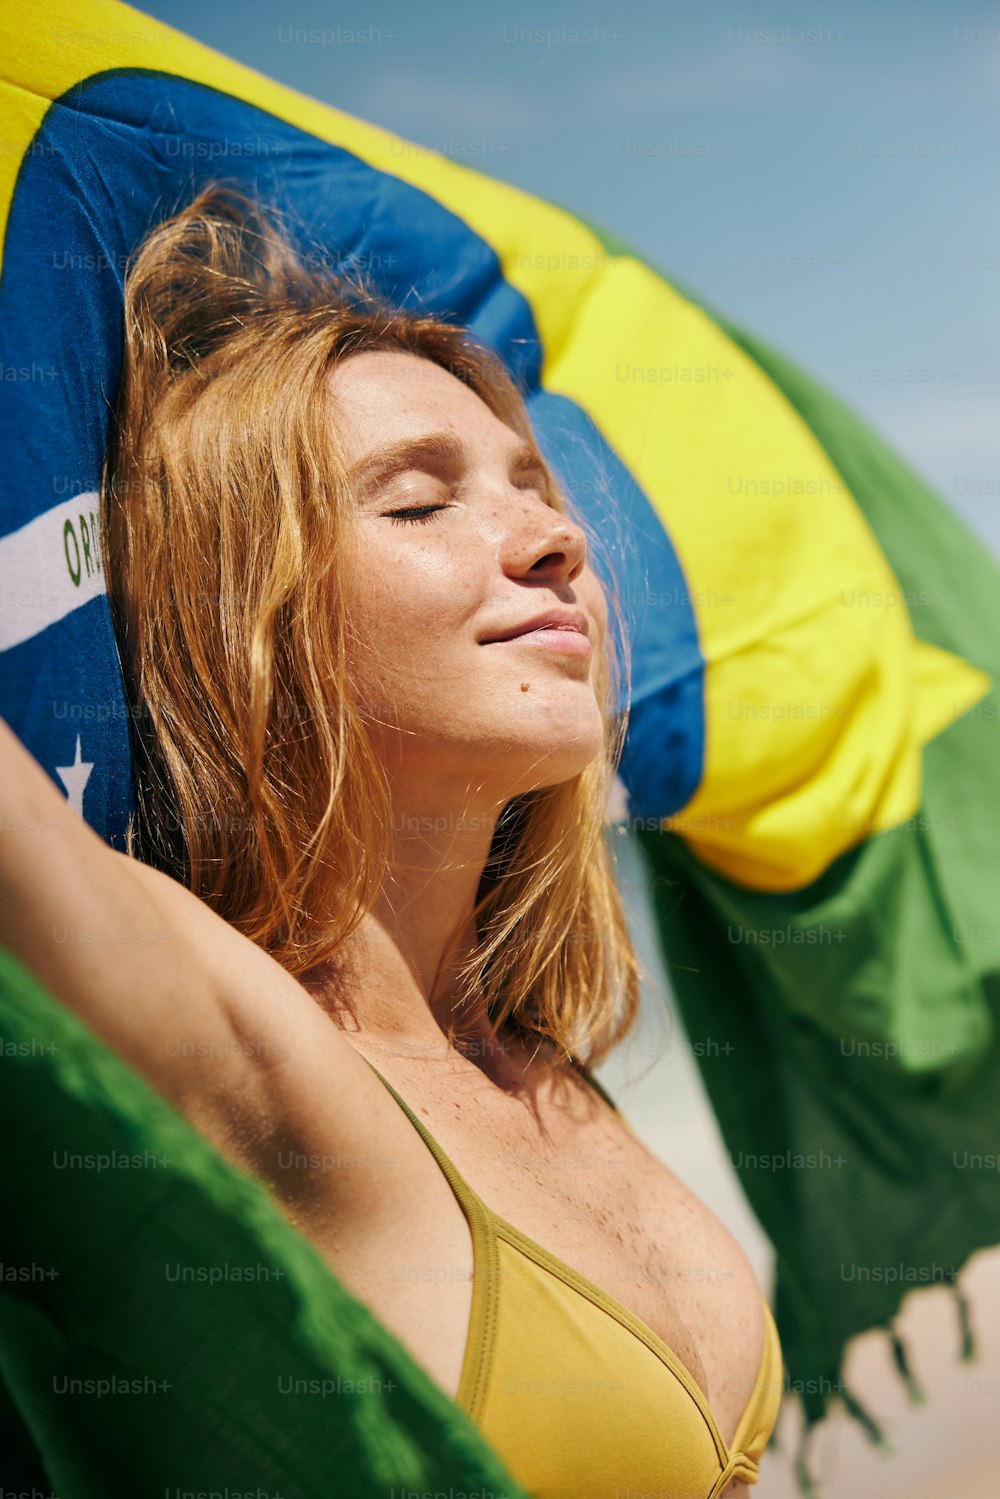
pixel 565 638
pixel 558 622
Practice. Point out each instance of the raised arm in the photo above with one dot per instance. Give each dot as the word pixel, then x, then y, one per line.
pixel 210 1020
pixel 143 963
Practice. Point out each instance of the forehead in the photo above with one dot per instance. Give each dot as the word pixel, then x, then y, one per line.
pixel 383 393
pixel 381 384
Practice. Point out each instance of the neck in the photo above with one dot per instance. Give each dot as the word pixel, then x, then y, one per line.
pixel 397 986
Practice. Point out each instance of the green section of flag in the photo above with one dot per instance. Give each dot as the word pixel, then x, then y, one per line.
pixel 273 1379
pixel 871 1179
pixel 860 1098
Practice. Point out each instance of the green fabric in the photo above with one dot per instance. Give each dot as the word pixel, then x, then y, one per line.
pixel 91 1291
pixel 859 1093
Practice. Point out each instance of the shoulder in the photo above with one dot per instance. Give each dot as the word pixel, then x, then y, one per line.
pixel 244 979
pixel 241 978
pixel 290 1075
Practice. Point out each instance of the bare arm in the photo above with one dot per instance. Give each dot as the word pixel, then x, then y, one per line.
pixel 212 1022
pixel 149 968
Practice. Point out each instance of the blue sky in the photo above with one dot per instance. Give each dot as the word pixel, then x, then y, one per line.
pixel 825 176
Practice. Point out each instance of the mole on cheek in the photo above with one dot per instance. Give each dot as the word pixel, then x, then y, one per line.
pixel 524 686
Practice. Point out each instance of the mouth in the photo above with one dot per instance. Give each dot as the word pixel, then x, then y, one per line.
pixel 564 638
pixel 554 627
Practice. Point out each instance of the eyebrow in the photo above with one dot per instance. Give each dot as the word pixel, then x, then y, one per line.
pixel 435 449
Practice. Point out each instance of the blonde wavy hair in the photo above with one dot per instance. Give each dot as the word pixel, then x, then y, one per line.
pixel 226 512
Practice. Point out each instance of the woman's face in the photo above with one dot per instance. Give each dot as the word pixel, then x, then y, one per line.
pixel 455 549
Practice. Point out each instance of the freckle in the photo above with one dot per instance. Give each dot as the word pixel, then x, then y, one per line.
pixel 524 686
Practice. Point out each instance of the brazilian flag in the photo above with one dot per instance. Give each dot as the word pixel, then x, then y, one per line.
pixel 810 769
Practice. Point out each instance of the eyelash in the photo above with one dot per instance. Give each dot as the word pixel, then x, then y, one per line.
pixel 420 514
pixel 414 515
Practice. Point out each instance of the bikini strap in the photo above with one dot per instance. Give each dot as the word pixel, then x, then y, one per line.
pixel 476 1364
pixel 461 1187
pixel 466 1196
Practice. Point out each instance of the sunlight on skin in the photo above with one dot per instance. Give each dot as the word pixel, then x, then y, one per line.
pixel 463 725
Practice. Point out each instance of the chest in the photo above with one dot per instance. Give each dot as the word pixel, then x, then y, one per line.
pixel 566 1171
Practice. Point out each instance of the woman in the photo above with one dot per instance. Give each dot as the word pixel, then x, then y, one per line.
pixel 371 683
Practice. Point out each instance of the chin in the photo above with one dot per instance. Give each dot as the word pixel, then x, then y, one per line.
pixel 554 764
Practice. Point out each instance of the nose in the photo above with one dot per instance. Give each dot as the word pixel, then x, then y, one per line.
pixel 541 542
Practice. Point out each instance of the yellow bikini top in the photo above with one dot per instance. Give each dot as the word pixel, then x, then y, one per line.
pixel 578 1397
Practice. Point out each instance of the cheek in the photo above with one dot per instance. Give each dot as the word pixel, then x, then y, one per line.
pixel 409 603
pixel 596 603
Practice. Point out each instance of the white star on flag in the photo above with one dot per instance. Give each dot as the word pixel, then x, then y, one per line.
pixel 75 777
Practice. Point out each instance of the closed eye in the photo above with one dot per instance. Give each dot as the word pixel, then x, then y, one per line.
pixel 538 482
pixel 419 514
